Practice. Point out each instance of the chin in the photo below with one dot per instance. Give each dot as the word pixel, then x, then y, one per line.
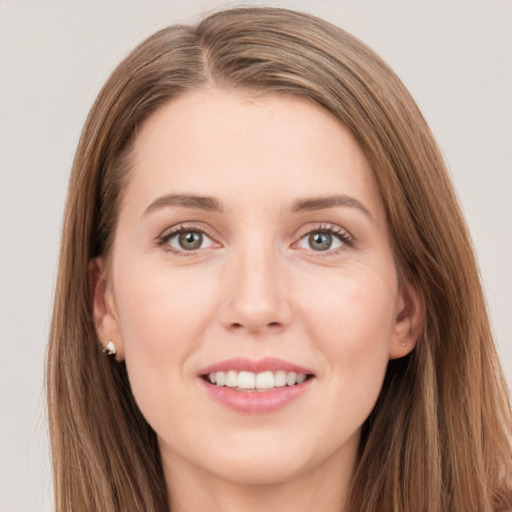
pixel 260 472
pixel 269 459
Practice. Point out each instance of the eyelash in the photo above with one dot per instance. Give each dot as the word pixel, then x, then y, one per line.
pixel 163 239
pixel 346 239
pixel 335 231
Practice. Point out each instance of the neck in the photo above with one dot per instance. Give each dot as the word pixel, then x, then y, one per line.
pixel 323 489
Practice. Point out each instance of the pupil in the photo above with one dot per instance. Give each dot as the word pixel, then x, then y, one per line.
pixel 320 241
pixel 190 240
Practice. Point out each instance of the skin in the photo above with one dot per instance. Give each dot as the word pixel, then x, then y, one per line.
pixel 255 288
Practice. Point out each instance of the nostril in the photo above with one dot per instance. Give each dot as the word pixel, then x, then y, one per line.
pixel 270 325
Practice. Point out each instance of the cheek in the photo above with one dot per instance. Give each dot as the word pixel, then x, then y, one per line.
pixel 352 312
pixel 351 323
pixel 158 307
pixel 162 317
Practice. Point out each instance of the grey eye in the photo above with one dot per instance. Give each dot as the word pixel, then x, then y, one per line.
pixel 190 240
pixel 320 241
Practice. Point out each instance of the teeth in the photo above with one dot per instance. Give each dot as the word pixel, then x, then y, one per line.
pixel 231 379
pixel 250 380
pixel 280 379
pixel 265 380
pixel 220 379
pixel 291 378
pixel 301 378
pixel 246 380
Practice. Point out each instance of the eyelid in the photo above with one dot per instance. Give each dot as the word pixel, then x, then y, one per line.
pixel 347 239
pixel 163 238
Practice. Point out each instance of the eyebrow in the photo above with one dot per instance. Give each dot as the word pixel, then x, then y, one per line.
pixel 206 203
pixel 210 204
pixel 321 203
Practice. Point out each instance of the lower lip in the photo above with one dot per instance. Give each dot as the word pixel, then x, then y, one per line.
pixel 256 402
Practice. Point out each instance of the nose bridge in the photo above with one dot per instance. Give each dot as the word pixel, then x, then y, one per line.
pixel 257 299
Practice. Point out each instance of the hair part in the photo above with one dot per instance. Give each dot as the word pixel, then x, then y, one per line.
pixel 439 436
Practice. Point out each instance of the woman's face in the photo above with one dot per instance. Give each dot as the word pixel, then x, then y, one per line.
pixel 252 252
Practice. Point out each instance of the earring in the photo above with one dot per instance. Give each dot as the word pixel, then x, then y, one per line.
pixel 404 344
pixel 110 349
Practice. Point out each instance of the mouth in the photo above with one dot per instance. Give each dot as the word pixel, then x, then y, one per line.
pixel 246 381
pixel 256 387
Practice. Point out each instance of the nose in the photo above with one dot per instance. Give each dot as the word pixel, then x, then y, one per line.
pixel 257 299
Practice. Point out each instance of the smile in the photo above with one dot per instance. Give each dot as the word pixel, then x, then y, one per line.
pixel 256 387
pixel 250 381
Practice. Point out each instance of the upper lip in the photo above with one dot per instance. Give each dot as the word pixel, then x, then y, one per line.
pixel 256 366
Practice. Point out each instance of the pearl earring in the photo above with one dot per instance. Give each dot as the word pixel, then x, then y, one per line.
pixel 110 349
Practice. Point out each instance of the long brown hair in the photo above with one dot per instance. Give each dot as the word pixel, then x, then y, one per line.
pixel 439 437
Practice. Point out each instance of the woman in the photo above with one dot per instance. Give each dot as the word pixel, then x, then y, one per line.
pixel 267 297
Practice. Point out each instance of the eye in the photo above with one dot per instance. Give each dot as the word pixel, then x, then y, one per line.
pixel 325 239
pixel 185 239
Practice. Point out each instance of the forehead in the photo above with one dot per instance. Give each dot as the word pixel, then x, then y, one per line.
pixel 254 148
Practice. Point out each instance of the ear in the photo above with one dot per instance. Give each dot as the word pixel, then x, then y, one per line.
pixel 104 308
pixel 409 316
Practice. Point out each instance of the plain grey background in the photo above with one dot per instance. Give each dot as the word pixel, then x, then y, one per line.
pixel 454 56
